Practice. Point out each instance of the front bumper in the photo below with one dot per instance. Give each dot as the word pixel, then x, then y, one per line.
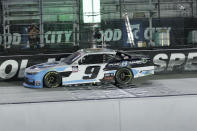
pixel 33 81
pixel 31 86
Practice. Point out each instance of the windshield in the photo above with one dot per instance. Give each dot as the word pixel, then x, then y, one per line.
pixel 71 58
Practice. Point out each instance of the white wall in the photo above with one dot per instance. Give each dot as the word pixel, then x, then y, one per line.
pixel 134 114
pixel 159 114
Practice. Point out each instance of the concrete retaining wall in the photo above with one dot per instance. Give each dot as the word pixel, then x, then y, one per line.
pixel 136 114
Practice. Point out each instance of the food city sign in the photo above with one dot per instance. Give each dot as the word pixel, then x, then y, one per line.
pixel 50 37
pixel 164 63
pixel 14 39
pixel 55 37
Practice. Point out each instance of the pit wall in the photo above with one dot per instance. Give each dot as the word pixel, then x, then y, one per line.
pixel 165 61
pixel 176 113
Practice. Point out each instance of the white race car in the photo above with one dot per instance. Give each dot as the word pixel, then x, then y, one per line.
pixel 89 66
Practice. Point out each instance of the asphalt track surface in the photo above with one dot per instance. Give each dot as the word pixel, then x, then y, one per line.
pixel 152 86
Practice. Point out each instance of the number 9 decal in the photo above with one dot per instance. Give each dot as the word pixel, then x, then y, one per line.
pixel 91 72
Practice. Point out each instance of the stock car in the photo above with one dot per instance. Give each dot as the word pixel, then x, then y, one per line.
pixel 89 66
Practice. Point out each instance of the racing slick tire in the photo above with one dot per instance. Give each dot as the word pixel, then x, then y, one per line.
pixel 123 76
pixel 52 79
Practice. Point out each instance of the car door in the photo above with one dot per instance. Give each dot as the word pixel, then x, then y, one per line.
pixel 89 70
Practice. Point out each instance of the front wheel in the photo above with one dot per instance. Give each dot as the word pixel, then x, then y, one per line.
pixel 52 79
pixel 123 76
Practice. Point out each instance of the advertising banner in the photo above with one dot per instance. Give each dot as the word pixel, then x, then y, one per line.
pixel 164 60
pixel 54 34
pixel 58 34
pixel 13 67
pixel 168 61
pixel 138 33
pixel 1 36
pixel 165 32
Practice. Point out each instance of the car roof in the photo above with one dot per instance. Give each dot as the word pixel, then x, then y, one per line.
pixel 98 51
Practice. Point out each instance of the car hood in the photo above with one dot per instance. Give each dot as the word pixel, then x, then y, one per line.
pixel 58 66
pixel 45 65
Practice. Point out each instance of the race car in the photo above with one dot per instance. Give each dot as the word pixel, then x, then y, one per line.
pixel 93 65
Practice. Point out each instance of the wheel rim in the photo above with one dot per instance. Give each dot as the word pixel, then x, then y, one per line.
pixel 52 80
pixel 124 76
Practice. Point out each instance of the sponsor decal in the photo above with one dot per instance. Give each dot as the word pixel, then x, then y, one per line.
pixel 75 69
pixel 124 63
pixel 108 76
pixel 37 83
pixel 114 64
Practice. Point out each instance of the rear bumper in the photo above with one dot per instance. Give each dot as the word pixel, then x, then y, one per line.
pixel 143 71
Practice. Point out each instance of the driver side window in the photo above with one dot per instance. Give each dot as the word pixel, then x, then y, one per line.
pixel 92 59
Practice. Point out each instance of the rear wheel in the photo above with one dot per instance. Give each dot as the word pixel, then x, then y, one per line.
pixel 123 76
pixel 52 79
